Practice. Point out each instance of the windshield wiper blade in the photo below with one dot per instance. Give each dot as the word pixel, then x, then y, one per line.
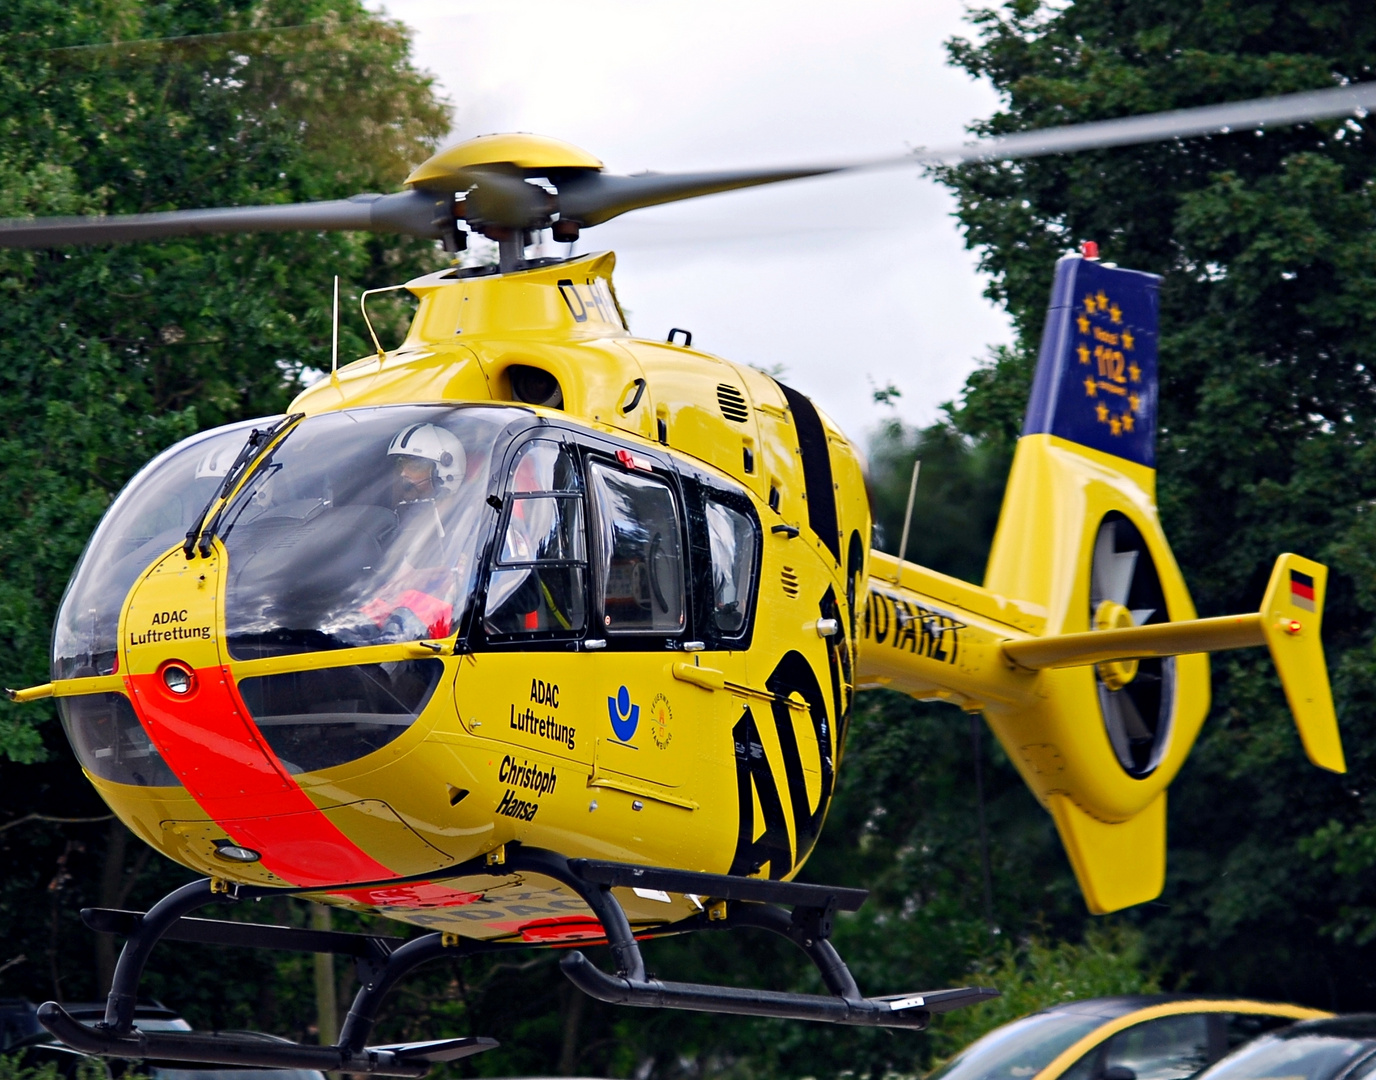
pixel 258 440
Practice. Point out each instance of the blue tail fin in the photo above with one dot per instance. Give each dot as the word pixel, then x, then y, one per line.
pixel 1096 374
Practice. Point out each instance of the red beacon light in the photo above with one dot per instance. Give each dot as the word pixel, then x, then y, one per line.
pixel 1090 250
pixel 634 461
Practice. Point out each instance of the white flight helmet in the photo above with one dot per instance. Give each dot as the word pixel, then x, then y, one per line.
pixel 434 444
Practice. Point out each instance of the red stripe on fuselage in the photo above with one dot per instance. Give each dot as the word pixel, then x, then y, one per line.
pixel 209 740
pixel 420 894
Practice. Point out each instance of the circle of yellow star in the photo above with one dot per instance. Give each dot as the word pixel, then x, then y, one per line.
pixel 1127 421
pixel 1134 373
pixel 1091 387
pixel 1115 427
pixel 1101 410
pixel 1084 354
pixel 1115 313
pixel 1128 339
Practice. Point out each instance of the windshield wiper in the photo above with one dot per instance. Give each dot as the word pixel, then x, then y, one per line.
pixel 258 440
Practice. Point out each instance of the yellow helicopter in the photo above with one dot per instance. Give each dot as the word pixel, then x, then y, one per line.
pixel 531 632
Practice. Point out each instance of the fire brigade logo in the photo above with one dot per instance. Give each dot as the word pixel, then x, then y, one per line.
pixel 661 720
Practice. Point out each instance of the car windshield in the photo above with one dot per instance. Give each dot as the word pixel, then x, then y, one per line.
pixel 360 527
pixel 1018 1050
pixel 1300 1057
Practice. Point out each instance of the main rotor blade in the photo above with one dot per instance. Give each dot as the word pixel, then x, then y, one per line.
pixel 591 198
pixel 414 213
pixel 597 197
pixel 1354 100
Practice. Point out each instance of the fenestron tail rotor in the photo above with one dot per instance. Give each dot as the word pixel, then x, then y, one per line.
pixel 507 186
pixel 1137 697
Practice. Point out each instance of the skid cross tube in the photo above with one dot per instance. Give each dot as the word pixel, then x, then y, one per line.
pixel 381 961
pixel 372 948
pixel 747 902
pixel 124 988
pixel 808 927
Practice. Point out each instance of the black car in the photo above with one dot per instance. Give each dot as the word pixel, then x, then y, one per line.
pixel 1343 1048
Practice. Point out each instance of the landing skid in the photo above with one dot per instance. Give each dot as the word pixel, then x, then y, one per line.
pixel 728 902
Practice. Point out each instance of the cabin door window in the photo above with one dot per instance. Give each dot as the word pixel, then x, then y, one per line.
pixel 538 583
pixel 640 549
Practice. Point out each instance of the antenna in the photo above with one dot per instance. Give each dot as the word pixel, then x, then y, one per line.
pixel 363 307
pixel 334 337
pixel 908 517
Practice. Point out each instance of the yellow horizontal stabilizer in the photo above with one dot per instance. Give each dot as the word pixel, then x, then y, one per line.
pixel 1117 865
pixel 1288 623
pixel 1291 618
pixel 1137 642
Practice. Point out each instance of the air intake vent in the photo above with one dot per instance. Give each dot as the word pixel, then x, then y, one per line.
pixel 732 403
pixel 790 581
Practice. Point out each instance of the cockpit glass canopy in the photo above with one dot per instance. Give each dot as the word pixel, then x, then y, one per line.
pixel 360 527
pixel 151 514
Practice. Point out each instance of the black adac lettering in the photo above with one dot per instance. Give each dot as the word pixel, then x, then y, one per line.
pixel 547 727
pixel 921 630
pixel 877 617
pixel 514 807
pixel 755 778
pixel 543 693
pixel 524 774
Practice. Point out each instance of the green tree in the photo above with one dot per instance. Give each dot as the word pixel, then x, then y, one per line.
pixel 1267 409
pixel 114 352
pixel 117 352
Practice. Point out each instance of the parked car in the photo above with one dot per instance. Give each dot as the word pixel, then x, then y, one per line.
pixel 23 1037
pixel 1340 1048
pixel 1139 1037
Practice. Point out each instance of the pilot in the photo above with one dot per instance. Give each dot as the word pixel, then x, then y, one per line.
pixel 429 466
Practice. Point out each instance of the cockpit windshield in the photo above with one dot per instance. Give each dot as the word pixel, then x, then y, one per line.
pixel 152 513
pixel 361 527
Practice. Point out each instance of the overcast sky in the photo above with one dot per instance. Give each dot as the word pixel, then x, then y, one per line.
pixel 846 282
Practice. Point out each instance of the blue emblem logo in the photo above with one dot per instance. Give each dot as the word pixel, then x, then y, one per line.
pixel 624 716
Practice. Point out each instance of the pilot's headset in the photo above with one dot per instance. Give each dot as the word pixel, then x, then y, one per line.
pixel 434 444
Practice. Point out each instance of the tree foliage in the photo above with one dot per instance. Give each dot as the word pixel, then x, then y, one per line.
pixel 116 351
pixel 1267 407
pixel 1265 242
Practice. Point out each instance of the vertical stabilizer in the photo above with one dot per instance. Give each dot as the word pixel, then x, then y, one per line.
pixel 1096 373
pixel 1079 538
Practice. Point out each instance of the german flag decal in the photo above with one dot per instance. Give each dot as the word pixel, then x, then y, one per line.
pixel 1301 590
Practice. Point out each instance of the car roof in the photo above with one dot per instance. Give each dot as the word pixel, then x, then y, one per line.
pixel 1352 1026
pixel 86 1010
pixel 1110 1008
pixel 155 1010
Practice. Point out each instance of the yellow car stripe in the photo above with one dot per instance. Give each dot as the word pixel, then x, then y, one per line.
pixel 1109 1028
